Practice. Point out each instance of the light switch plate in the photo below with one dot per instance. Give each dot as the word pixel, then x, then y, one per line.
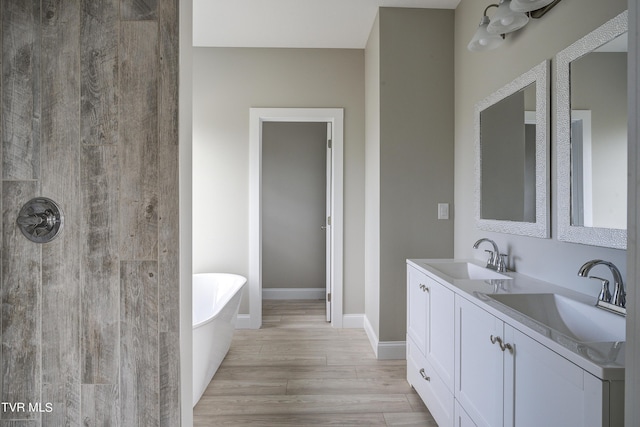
pixel 443 210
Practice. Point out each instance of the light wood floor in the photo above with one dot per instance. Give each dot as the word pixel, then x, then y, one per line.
pixel 299 371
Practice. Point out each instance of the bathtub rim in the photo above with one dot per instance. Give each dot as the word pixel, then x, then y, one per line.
pixel 223 304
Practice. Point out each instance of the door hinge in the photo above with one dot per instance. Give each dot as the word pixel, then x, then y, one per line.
pixel 328 220
pixel 329 297
pixel 329 143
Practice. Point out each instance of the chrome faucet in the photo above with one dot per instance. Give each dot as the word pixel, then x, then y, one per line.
pixel 496 259
pixel 615 302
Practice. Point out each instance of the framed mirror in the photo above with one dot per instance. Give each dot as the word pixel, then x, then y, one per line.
pixel 591 114
pixel 512 156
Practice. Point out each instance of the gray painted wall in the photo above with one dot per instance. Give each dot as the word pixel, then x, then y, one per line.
pixel 372 178
pixel 228 83
pixel 294 185
pixel 414 154
pixel 89 118
pixel 632 349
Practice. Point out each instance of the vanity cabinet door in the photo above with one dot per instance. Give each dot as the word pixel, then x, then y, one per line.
pixel 544 388
pixel 479 364
pixel 431 322
pixel 417 302
pixel 430 343
pixel 441 331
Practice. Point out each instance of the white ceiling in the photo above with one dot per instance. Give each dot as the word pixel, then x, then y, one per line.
pixel 293 23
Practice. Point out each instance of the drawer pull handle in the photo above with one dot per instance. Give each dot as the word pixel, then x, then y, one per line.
pixel 424 375
pixel 503 346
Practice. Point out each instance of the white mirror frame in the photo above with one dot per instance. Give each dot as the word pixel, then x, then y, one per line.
pixel 596 236
pixel 540 76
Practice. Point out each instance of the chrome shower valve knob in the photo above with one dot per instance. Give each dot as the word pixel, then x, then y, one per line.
pixel 40 220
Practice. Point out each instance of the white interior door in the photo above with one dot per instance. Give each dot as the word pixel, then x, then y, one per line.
pixel 328 229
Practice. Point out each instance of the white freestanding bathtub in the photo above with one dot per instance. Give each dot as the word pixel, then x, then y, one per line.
pixel 216 299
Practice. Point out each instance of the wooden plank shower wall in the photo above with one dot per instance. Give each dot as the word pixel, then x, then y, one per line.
pixel 89 322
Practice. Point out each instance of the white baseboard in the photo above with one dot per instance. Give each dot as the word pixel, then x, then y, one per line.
pixel 353 321
pixel 349 321
pixel 385 350
pixel 293 293
pixel 373 338
pixel 392 350
pixel 243 322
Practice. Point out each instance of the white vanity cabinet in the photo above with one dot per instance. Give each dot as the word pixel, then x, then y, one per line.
pixel 505 378
pixel 475 365
pixel 430 343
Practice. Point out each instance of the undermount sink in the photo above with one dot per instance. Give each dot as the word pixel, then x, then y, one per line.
pixel 582 322
pixel 466 270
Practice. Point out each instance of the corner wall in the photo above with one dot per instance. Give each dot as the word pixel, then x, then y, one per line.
pixel 409 155
pixel 185 118
pixel 372 181
pixel 632 349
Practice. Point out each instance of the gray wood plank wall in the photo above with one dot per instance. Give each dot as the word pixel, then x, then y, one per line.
pixel 90 321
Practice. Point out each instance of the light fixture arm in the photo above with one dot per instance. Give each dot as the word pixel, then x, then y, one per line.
pixel 539 13
pixel 487 8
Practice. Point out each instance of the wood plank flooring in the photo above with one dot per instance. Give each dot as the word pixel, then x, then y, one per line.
pixel 299 371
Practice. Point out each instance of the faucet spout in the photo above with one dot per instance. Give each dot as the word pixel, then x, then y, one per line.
pixel 484 239
pixel 587 266
pixel 495 261
pixel 619 296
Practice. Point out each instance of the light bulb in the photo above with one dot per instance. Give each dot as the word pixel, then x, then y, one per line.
pixel 507 20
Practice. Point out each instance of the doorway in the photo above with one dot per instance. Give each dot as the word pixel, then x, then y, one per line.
pixel 333 221
pixel 295 204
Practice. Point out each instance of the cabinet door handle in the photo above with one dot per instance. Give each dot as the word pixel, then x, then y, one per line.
pixel 503 346
pixel 424 288
pixel 495 339
pixel 507 346
pixel 424 375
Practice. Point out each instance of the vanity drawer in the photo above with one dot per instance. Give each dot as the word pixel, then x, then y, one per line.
pixel 433 391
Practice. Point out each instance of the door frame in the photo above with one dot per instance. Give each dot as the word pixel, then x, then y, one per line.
pixel 257 116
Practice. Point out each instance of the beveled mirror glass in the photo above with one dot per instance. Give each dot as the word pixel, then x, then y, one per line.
pixel 592 137
pixel 512 140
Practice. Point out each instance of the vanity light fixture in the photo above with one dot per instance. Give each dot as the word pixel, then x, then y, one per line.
pixel 510 16
pixel 506 20
pixel 484 40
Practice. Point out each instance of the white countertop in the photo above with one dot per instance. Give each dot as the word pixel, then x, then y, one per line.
pixel 603 360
